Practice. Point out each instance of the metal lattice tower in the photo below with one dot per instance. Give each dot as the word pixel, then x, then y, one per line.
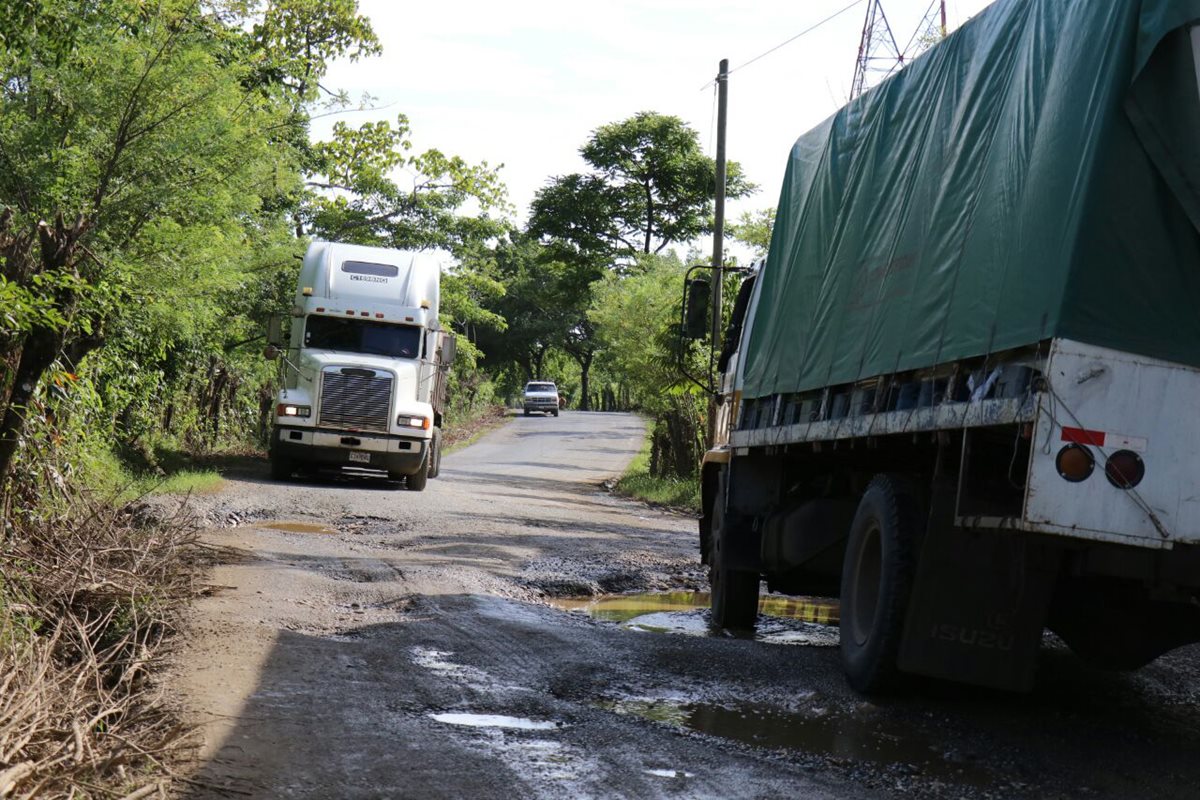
pixel 879 54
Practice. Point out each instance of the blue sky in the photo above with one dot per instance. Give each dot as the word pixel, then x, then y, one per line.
pixel 524 83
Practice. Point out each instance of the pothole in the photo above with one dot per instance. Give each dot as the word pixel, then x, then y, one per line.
pixel 295 527
pixel 624 607
pixel 783 620
pixel 852 738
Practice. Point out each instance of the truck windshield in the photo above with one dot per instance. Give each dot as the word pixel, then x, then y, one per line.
pixel 362 336
pixel 539 387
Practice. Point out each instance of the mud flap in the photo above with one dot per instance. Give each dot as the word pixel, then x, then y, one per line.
pixel 978 607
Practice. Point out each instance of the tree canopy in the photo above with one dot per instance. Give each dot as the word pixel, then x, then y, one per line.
pixel 650 186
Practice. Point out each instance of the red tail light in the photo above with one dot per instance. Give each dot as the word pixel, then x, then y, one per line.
pixel 1125 469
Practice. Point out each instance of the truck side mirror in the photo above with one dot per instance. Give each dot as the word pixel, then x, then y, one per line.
pixel 275 330
pixel 449 348
pixel 271 352
pixel 695 308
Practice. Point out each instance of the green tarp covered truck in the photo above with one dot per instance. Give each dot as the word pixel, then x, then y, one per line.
pixel 963 389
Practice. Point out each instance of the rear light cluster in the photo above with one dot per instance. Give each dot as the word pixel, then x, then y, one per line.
pixel 1124 468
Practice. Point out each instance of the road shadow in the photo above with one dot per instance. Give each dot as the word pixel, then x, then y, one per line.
pixel 503 478
pixel 350 714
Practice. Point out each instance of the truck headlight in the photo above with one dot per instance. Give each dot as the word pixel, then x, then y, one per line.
pixel 406 421
pixel 290 410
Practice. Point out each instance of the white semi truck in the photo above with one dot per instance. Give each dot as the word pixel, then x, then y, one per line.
pixel 364 372
pixel 961 392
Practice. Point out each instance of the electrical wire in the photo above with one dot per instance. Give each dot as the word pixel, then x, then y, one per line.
pixel 808 30
pixel 804 32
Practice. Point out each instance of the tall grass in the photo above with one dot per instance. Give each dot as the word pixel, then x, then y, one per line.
pixel 637 482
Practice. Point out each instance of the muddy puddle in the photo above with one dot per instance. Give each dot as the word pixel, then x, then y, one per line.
pixel 782 620
pixel 294 527
pixel 852 737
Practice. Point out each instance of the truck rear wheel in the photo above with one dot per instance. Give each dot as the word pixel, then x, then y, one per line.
pixel 877 577
pixel 733 593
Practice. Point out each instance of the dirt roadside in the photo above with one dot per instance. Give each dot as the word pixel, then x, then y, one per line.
pixel 365 641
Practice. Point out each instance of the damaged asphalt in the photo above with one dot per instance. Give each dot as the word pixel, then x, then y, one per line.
pixel 357 640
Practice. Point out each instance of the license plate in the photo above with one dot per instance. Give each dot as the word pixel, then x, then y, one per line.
pixel 362 458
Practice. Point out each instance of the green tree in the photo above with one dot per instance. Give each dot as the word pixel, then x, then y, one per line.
pixel 650 186
pixel 125 133
pixel 636 320
pixel 294 41
pixel 535 305
pixel 356 197
pixel 754 228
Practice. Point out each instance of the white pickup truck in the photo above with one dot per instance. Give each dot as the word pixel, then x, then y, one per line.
pixel 541 396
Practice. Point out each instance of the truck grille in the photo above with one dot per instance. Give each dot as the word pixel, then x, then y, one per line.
pixel 355 399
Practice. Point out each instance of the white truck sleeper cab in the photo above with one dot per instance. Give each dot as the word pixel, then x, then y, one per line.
pixel 364 372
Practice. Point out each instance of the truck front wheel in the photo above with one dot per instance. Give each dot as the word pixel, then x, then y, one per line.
pixel 877 576
pixel 435 453
pixel 416 482
pixel 733 593
pixel 281 468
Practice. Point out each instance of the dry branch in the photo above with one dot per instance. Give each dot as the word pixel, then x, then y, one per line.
pixel 88 597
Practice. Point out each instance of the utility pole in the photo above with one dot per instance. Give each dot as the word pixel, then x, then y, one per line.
pixel 718 258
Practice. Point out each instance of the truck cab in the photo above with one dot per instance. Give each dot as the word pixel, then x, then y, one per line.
pixel 363 376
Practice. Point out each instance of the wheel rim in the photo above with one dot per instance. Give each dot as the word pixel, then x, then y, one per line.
pixel 866 590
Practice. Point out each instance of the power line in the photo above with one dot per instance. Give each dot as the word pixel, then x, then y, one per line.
pixel 808 30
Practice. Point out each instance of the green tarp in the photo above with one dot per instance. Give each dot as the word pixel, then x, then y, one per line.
pixel 1035 175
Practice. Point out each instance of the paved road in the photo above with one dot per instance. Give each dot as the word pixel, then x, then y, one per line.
pixel 361 641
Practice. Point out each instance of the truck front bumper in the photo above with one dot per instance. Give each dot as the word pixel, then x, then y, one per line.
pixel 401 455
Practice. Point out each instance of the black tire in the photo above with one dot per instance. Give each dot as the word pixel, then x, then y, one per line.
pixel 877 577
pixel 416 481
pixel 733 594
pixel 527 412
pixel 281 468
pixel 435 453
pixel 555 413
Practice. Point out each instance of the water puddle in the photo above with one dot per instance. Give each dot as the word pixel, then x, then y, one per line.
pixel 294 527
pixel 850 737
pixel 496 721
pixel 624 607
pixel 669 773
pixel 806 621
